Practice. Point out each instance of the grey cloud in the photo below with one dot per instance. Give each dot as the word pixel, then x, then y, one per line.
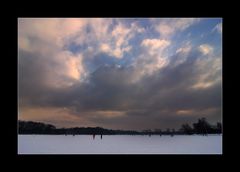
pixel 154 98
pixel 154 119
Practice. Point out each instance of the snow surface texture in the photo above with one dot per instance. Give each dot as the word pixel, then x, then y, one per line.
pixel 119 144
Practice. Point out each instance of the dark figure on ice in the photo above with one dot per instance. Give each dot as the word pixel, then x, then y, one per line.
pixel 101 136
pixel 93 136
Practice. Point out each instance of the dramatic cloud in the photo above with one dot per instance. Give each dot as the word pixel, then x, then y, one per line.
pixel 118 73
pixel 168 27
pixel 155 44
pixel 205 49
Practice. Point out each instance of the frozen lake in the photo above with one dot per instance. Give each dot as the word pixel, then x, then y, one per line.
pixel 119 144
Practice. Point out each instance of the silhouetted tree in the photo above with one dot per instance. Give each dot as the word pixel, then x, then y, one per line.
pixel 35 128
pixel 186 129
pixel 202 127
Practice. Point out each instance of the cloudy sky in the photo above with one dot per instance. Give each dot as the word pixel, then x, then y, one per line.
pixel 120 73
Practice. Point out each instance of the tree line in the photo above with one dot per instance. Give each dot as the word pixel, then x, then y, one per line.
pixel 200 127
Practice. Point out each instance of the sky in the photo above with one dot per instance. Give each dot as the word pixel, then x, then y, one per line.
pixel 120 73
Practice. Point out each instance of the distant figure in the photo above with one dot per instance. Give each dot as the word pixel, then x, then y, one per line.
pixel 93 136
pixel 101 136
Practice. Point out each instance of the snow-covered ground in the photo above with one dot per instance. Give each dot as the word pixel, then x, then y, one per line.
pixel 119 144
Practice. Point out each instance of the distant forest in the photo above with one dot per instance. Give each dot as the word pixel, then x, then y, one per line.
pixel 200 127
